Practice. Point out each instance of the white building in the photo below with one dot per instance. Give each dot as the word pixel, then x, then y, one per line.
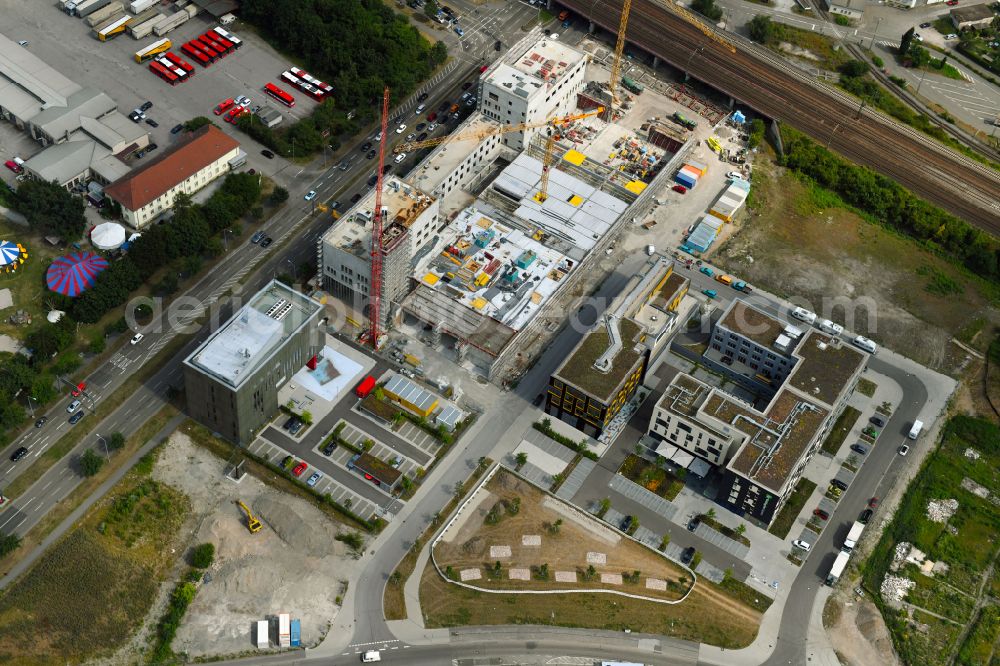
pixel 531 85
pixel 194 162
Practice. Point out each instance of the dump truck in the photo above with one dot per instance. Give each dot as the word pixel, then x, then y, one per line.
pixel 837 570
pixel 632 86
pixel 853 536
pixel 684 121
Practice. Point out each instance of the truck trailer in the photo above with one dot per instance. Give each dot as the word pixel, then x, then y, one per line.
pixel 81 7
pixel 853 536
pixel 837 570
pixel 139 6
pixel 105 13
pixel 144 29
pixel 168 23
pixel 112 28
pixel 92 8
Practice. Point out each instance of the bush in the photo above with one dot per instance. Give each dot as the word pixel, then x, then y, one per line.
pixel 279 195
pixel 116 441
pixel 8 544
pixel 203 555
pixel 90 463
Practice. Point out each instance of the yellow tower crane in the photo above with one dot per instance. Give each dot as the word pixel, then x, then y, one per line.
pixel 253 523
pixel 693 20
pixel 616 64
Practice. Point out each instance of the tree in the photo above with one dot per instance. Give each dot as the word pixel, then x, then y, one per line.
pixel 97 343
pixel 664 542
pixel 710 513
pixel 306 417
pixel 521 459
pixel 279 195
pixel 431 8
pixel 906 41
pixel 90 463
pixel 918 56
pixel 395 578
pixel 604 506
pixel 707 8
pixel 9 543
pixel 197 123
pixel 439 53
pixel 854 68
pixel 763 30
pixel 50 209
pixel 203 555
pixel 116 441
pixel 741 529
pixel 459 489
pixel 756 135
pixel 590 573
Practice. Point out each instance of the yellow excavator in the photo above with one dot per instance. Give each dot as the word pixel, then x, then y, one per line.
pixel 253 523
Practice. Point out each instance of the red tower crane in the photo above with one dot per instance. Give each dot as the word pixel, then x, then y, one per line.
pixel 375 286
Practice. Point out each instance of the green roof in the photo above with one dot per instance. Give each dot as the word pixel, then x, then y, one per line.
pixel 579 370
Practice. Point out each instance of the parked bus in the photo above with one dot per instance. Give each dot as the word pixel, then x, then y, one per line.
pixel 180 62
pixel 290 79
pixel 235 41
pixel 153 50
pixel 205 46
pixel 220 44
pixel 279 94
pixel 196 55
pixel 163 73
pixel 306 83
pixel 113 28
pixel 178 72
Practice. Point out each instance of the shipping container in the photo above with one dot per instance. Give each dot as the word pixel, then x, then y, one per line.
pixel 85 7
pixel 192 10
pixel 263 634
pixel 296 633
pixel 105 13
pixel 284 630
pixel 686 179
pixel 139 19
pixel 93 8
pixel 112 28
pixel 139 6
pixel 168 23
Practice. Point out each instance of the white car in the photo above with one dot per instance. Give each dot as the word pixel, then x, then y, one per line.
pixel 137 338
pixel 804 315
pixel 951 35
pixel 244 102
pixel 828 326
pixel 917 37
pixel 399 158
pixel 735 175
pixel 310 195
pixel 904 449
pixel 370 656
pixel 401 129
pixel 23 42
pixel 432 127
pixel 420 109
pixel 378 137
pixel 804 545
pixel 864 343
pixel 73 406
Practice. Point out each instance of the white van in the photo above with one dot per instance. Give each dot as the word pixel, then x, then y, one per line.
pixel 804 315
pixel 828 326
pixel 864 343
pixel 370 656
pixel 651 250
pixel 915 430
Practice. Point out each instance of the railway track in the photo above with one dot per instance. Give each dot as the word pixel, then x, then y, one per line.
pixel 764 82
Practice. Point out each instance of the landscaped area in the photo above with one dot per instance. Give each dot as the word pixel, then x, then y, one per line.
pixel 793 506
pixel 943 540
pixel 651 477
pixel 542 543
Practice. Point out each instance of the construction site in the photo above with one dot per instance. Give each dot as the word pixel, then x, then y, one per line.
pixel 491 239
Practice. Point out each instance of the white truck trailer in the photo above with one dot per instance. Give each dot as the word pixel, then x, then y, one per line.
pixel 837 570
pixel 168 23
pixel 105 13
pixel 853 536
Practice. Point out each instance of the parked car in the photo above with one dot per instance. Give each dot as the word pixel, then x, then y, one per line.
pixel 828 326
pixel 865 516
pixel 679 188
pixel 707 271
pixel 267 241
pixel 367 145
pixel 314 479
pixel 862 342
pixel 466 86
pixel 804 315
pixel 904 449
pixel 310 195
pixel 371 154
pixel 804 545
pixel 356 198
pixel 73 420
pixel 288 423
pixel 40 422
pixel 330 447
pixel 152 123
pixel 693 524
pixel 878 420
pixel 626 523
pixel 146 106
pixel 432 127
pixel 421 97
pixel 18 454
pixel 73 406
pixel 151 147
pixel 411 136
pixel 873 503
pixel 837 483
pixel 296 426
pixel 301 467
pixel 711 293
pixel 820 513
pixel 267 153
pixel 925 25
pixel 687 555
pixel 857 448
pixel 539 399
pixel 401 128
pixel 421 136
pixel 951 35
pixel 176 129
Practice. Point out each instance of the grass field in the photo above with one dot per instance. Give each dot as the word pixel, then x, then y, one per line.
pixel 966 543
pixel 92 590
pixel 711 613
pixel 802 241
pixel 27 284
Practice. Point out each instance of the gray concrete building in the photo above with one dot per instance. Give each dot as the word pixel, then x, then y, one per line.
pixel 233 378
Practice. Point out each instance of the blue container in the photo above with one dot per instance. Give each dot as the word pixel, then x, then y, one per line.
pixel 296 633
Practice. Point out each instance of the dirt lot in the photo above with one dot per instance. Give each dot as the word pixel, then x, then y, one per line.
pixel 799 244
pixel 708 614
pixel 858 633
pixel 293 565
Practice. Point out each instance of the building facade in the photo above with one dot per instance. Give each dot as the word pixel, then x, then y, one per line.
pixel 535 81
pixel 232 379
pixel 195 161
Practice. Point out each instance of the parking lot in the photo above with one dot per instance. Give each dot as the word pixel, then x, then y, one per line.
pixel 68 45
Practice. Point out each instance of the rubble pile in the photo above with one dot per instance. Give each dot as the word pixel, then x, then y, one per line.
pixel 939 511
pixel 972 454
pixel 902 551
pixel 895 588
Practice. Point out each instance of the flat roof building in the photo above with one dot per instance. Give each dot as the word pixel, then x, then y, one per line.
pixel 539 78
pixel 971 17
pixel 762 452
pixel 196 160
pixel 232 379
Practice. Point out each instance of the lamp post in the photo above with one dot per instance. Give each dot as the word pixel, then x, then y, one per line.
pixel 105 442
pixel 875 34
pixel 30 408
pixel 688 64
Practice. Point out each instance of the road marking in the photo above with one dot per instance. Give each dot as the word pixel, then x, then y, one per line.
pixel 26 504
pixel 46 486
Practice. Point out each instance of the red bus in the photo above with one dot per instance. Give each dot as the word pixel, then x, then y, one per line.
pixel 229 37
pixel 312 91
pixel 180 62
pixel 207 48
pixel 196 55
pixel 223 46
pixel 289 79
pixel 163 72
pixel 178 72
pixel 279 94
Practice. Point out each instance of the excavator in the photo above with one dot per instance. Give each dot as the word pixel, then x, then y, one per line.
pixel 253 523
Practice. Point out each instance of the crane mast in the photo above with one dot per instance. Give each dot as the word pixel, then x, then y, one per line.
pixel 375 286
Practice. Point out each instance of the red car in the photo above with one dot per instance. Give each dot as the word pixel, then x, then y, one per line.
pixel 951 3
pixel 234 114
pixel 821 513
pixel 301 467
pixel 431 117
pixel 872 503
pixel 13 166
pixel 223 107
pixel 80 388
pixel 679 188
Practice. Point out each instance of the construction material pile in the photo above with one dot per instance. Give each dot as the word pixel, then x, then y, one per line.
pixel 939 511
pixel 895 588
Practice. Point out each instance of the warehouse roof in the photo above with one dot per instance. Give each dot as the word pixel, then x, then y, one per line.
pixel 192 154
pixel 62 162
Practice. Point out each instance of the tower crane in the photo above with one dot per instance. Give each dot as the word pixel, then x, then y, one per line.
pixel 375 286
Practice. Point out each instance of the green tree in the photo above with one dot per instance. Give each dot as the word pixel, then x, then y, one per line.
pixel 854 68
pixel 755 136
pixel 431 8
pixel 97 343
pixel 741 529
pixel 603 507
pixel 9 543
pixel 439 53
pixel 279 195
pixel 197 123
pixel 707 8
pixel 664 541
pixel 116 441
pixel 50 209
pixel 918 56
pixel 203 555
pixel 521 459
pixel 906 41
pixel 763 30
pixel 710 513
pixel 306 417
pixel 90 463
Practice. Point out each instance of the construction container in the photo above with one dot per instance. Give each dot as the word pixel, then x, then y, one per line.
pixel 701 168
pixel 263 634
pixel 192 10
pixel 284 630
pixel 296 638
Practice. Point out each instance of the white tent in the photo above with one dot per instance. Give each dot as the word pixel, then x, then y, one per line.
pixel 108 236
pixel 54 315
